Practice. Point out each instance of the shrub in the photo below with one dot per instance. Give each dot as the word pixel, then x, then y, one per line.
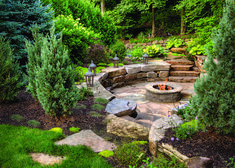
pixel 90 16
pixel 17 117
pixel 98 107
pixel 162 161
pixel 10 81
pixel 155 51
pixel 75 36
pixel 120 49
pixel 130 154
pixel 33 123
pixel 84 92
pixel 79 73
pixel 55 78
pixel 101 100
pixel 97 53
pixel 136 54
pixel 174 42
pixel 214 100
pixel 74 129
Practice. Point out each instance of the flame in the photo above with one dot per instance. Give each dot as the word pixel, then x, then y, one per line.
pixel 163 86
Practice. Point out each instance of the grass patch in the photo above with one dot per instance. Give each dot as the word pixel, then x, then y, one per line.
pixel 101 100
pixel 34 123
pixel 94 114
pixel 98 107
pixel 17 117
pixel 18 142
pixel 80 106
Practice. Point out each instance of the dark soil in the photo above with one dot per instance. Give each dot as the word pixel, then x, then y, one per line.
pixel 26 106
pixel 219 148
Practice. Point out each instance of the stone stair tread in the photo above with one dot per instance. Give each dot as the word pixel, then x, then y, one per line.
pixel 181 67
pixel 182 79
pixel 180 62
pixel 184 73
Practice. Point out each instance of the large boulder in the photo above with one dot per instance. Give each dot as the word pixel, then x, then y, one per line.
pixel 199 162
pixel 157 131
pixel 124 128
pixel 121 107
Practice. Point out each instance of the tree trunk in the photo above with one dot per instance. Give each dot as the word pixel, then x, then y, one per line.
pixel 183 25
pixel 153 22
pixel 102 6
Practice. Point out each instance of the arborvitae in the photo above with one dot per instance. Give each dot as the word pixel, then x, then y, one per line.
pixel 34 60
pixel 55 78
pixel 17 16
pixel 10 81
pixel 215 92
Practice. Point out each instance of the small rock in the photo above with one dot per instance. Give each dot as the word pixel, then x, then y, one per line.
pixel 199 162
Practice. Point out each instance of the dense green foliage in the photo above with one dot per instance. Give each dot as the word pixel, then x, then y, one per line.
pixel 118 48
pixel 155 51
pixel 54 79
pixel 17 16
pixel 89 15
pixel 10 81
pixel 18 142
pixel 97 53
pixel 214 100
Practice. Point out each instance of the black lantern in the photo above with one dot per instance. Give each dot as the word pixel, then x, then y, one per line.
pixel 115 61
pixel 89 76
pixel 92 67
pixel 145 58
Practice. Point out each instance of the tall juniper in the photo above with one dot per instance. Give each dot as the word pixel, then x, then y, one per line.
pixel 53 75
pixel 215 92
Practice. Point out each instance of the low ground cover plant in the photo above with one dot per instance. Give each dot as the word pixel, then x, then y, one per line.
pixel 18 142
pixel 155 51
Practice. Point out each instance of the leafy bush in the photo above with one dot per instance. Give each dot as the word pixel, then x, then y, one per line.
pixel 75 36
pixel 90 16
pixel 120 49
pixel 130 154
pixel 155 51
pixel 106 153
pixel 34 123
pixel 79 73
pixel 97 53
pixel 195 48
pixel 74 129
pixel 136 54
pixel 10 81
pixel 174 42
pixel 54 80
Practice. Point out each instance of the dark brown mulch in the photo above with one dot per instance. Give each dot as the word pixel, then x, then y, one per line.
pixel 26 106
pixel 210 144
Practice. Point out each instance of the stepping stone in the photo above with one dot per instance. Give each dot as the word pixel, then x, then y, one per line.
pixel 89 139
pixel 121 107
pixel 46 159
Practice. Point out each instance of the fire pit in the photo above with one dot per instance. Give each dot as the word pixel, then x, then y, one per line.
pixel 163 92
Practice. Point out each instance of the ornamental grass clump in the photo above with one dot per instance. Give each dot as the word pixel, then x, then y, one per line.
pixel 53 76
pixel 214 102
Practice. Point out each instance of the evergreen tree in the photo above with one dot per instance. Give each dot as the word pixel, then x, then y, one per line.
pixel 10 81
pixel 55 78
pixel 16 18
pixel 34 60
pixel 215 92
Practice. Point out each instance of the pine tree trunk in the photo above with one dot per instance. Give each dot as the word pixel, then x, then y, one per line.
pixel 102 6
pixel 153 22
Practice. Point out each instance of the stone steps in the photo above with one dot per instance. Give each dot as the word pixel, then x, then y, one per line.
pixel 184 73
pixel 180 62
pixel 181 67
pixel 182 79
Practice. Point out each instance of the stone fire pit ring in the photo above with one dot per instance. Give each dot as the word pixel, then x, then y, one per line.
pixel 165 96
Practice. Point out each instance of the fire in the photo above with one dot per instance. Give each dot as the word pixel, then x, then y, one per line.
pixel 163 86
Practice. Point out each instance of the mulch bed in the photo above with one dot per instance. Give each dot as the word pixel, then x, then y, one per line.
pixel 207 144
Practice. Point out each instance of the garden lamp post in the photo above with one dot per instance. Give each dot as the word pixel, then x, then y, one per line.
pixel 115 61
pixel 89 76
pixel 145 58
pixel 92 67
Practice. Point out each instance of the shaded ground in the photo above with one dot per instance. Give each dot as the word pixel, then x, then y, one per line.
pixel 208 144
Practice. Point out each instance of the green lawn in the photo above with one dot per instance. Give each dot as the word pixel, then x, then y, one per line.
pixel 16 143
